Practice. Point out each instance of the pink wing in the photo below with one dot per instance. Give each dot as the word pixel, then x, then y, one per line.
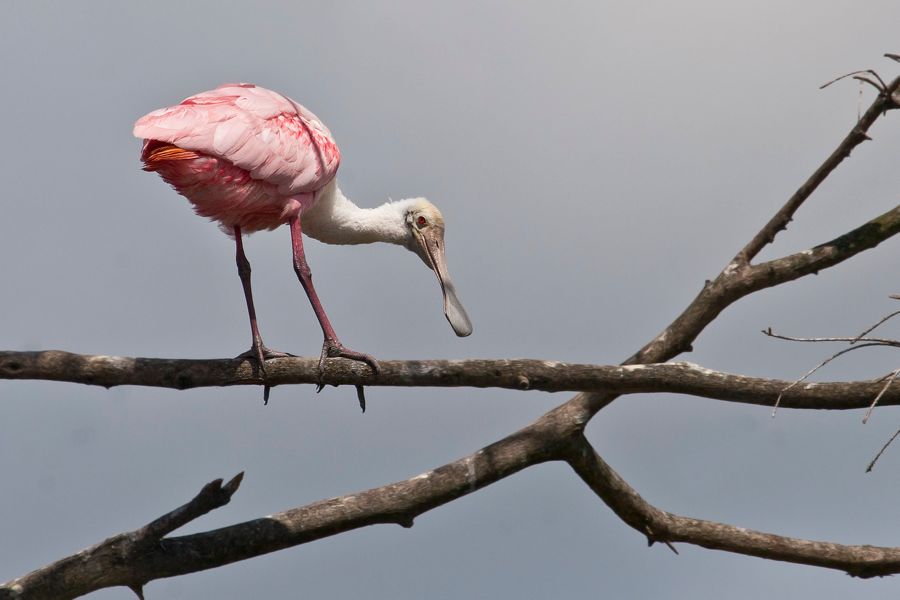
pixel 269 135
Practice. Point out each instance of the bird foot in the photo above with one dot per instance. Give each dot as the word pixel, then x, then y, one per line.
pixel 334 349
pixel 260 354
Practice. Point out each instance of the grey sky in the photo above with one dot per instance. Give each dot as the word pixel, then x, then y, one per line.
pixel 595 162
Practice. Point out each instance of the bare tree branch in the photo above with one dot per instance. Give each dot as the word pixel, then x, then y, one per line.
pixel 875 326
pixel 880 452
pixel 398 503
pixel 857 135
pixel 736 281
pixel 850 340
pixel 887 384
pixel 518 374
pixel 558 435
pixel 658 525
pixel 806 375
pixel 826 255
pixel 854 344
pixel 739 278
pixel 881 87
pixel 112 561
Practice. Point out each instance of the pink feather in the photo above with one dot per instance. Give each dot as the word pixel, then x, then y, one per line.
pixel 251 157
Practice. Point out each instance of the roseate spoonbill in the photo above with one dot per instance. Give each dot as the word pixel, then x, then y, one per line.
pixel 253 159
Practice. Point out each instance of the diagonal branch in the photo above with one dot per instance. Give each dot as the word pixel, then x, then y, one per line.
pixel 398 503
pixel 558 435
pixel 738 278
pixel 659 525
pixel 866 236
pixel 213 495
pixel 857 135
pixel 735 282
pixel 111 562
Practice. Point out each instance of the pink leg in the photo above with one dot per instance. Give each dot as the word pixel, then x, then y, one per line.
pixel 332 348
pixel 258 350
pixel 243 265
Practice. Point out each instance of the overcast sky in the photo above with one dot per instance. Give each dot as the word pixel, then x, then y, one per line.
pixel 594 161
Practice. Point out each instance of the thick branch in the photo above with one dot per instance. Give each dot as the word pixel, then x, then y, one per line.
pixel 399 503
pixel 662 526
pixel 558 435
pixel 794 266
pixel 736 282
pixel 518 374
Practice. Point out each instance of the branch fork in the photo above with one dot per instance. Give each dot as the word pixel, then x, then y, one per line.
pixel 134 558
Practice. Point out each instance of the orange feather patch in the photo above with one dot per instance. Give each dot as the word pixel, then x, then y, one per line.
pixel 168 152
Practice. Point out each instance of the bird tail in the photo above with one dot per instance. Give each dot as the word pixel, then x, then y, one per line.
pixel 155 154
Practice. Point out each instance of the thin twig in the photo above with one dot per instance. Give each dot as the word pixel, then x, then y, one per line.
pixel 850 340
pixel 869 81
pixel 867 342
pixel 890 380
pixel 816 368
pixel 854 340
pixel 878 324
pixel 880 452
pixel 851 74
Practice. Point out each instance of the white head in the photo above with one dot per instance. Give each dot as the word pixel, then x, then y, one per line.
pixel 425 237
pixel 414 223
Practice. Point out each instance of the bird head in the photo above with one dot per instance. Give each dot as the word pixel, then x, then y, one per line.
pixel 426 239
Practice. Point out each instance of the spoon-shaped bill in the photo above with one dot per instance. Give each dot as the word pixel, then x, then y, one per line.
pixel 432 241
pixel 454 311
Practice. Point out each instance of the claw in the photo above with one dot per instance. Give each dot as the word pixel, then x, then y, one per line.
pixel 258 353
pixel 334 349
pixel 361 396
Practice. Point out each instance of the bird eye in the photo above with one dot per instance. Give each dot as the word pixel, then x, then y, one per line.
pixel 421 221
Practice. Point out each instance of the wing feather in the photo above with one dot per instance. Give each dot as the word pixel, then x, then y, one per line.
pixel 269 135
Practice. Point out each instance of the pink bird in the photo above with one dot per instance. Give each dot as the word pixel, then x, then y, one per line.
pixel 253 159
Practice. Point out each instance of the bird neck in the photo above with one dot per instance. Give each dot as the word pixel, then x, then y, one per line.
pixel 334 219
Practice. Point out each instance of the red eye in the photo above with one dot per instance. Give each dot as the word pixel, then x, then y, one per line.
pixel 421 221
